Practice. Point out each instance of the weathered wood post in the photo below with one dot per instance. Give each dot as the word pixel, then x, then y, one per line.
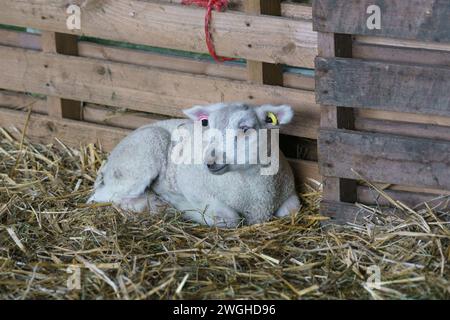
pixel 61 43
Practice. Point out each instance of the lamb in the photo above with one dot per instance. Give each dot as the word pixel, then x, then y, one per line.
pixel 203 177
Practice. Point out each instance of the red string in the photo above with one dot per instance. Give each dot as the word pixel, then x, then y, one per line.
pixel 218 5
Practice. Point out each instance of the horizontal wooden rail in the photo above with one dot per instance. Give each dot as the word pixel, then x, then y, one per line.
pixel 43 129
pixel 391 54
pixel 417 130
pixel 385 158
pixel 143 88
pixel 383 85
pixel 253 37
pixel 153 59
pixel 426 20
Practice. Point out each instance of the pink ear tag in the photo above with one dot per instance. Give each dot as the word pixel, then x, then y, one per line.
pixel 204 119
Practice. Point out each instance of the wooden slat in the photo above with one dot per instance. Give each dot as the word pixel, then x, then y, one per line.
pixel 152 59
pixel 414 198
pixel 402 117
pixel 382 85
pixel 385 158
pixel 20 101
pixel 112 117
pixel 43 129
pixel 342 212
pixel 400 43
pixel 91 112
pixel 418 130
pixel 259 38
pixel 426 20
pixel 20 39
pixel 229 71
pixel 398 54
pixel 143 88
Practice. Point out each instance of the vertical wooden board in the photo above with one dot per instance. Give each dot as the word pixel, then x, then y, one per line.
pixel 60 43
pixel 385 158
pixel 261 72
pixel 383 85
pixel 332 116
pixel 425 20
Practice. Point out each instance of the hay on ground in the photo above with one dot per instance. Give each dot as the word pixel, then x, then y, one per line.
pixel 49 239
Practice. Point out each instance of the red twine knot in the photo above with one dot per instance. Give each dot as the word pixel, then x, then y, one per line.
pixel 218 5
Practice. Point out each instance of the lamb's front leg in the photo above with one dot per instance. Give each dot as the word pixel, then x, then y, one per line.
pixel 292 204
pixel 215 214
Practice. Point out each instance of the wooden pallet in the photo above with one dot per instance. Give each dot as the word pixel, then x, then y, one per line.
pixel 405 70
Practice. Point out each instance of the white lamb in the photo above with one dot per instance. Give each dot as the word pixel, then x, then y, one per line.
pixel 217 190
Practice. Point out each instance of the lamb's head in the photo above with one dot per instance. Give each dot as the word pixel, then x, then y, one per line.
pixel 237 136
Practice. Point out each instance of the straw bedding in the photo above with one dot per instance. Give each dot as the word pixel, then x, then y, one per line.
pixel 45 228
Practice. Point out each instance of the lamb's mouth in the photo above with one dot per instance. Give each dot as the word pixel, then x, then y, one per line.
pixel 217 168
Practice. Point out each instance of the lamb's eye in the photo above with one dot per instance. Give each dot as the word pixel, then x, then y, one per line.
pixel 204 122
pixel 244 129
pixel 271 118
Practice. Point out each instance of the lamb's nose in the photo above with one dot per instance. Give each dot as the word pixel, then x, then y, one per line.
pixel 211 166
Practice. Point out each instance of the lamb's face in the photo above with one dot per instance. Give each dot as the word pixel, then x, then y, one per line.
pixel 237 136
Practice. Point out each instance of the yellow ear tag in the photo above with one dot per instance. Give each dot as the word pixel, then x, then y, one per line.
pixel 271 118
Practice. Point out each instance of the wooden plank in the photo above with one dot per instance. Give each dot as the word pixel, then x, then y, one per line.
pixel 152 59
pixel 400 43
pixel 204 67
pixel 20 39
pixel 385 158
pixel 413 199
pixel 342 212
pixel 382 85
pixel 60 43
pixel 259 38
pixel 425 20
pixel 20 101
pixel 43 129
pixel 402 117
pixel 418 130
pixel 143 88
pixel 118 118
pixel 398 54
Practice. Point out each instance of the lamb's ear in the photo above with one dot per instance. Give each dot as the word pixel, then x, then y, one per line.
pixel 198 113
pixel 274 116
